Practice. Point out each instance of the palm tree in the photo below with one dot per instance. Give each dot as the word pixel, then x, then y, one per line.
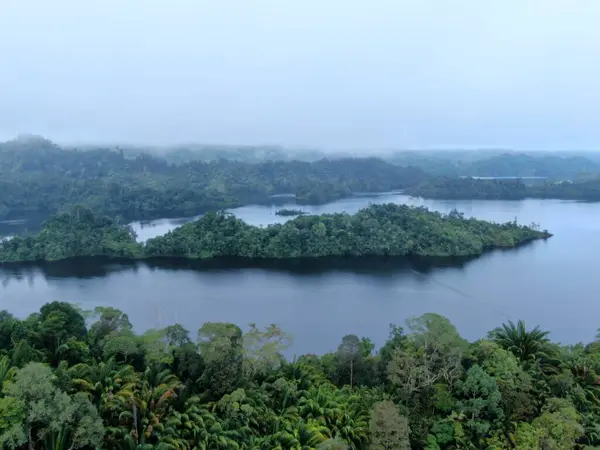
pixel 353 430
pixel 7 370
pixel 320 405
pixel 129 443
pixel 219 438
pixel 303 435
pixel 527 346
pixel 110 388
pixel 190 419
pixel 149 413
pixel 352 424
pixel 302 375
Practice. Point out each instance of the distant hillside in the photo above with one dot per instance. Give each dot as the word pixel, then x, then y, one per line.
pixel 493 164
pixel 39 177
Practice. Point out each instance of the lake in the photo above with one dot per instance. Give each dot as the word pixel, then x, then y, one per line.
pixel 551 283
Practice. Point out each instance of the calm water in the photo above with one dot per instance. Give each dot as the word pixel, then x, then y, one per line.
pixel 554 283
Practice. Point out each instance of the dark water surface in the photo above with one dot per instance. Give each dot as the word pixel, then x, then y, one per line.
pixel 553 283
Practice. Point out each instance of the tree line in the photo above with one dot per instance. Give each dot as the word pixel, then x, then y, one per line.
pixel 378 230
pixel 40 178
pixel 490 163
pixel 501 189
pixel 74 379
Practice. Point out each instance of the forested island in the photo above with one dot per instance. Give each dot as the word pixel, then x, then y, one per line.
pixel 41 178
pixel 289 212
pixel 378 230
pixel 73 379
pixel 501 189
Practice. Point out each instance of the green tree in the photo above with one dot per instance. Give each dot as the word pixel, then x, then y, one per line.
pixel 221 346
pixel 432 354
pixel 479 402
pixel 40 411
pixel 263 350
pixel 558 427
pixel 389 430
pixel 525 345
pixel 350 355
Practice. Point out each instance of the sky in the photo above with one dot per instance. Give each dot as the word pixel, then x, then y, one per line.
pixel 337 74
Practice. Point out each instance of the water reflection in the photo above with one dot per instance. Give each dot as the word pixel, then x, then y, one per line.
pixel 86 268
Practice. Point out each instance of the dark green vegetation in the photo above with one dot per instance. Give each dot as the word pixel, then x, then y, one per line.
pixel 38 177
pixel 470 188
pixel 500 164
pixel 522 165
pixel 73 234
pixel 485 163
pixel 65 385
pixel 379 230
pixel 289 212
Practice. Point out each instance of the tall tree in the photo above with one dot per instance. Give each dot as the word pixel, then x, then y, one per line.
pixel 350 354
pixel 389 429
pixel 40 410
pixel 221 346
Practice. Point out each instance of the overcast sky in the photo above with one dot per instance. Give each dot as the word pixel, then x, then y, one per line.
pixel 328 73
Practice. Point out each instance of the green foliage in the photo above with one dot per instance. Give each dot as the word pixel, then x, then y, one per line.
pixel 289 212
pixel 77 232
pixel 431 355
pixel 489 163
pixel 263 350
pixel 456 188
pixel 479 401
pixel 38 177
pixel 525 345
pixel 40 412
pixel 377 230
pixel 389 430
pixel 235 390
pixel 221 346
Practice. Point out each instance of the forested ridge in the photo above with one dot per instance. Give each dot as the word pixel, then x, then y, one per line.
pixel 39 177
pixel 73 379
pixel 471 188
pixel 378 230
pixel 486 163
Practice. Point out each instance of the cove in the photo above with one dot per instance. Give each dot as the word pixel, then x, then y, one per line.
pixel 551 283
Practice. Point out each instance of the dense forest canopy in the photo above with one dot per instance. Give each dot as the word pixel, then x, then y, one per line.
pixel 522 165
pixel 500 189
pixel 37 176
pixel 470 188
pixel 483 163
pixel 73 379
pixel 71 234
pixel 454 164
pixel 378 230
